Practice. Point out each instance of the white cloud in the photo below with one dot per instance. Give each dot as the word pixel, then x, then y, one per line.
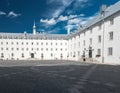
pixel 82 15
pixel 78 21
pixel 83 22
pixel 74 21
pixel 58 12
pixel 60 2
pixel 70 27
pixel 56 30
pixel 80 3
pixel 13 14
pixel 63 4
pixel 51 21
pixel 70 17
pixel 81 0
pixel 2 13
pixel 63 18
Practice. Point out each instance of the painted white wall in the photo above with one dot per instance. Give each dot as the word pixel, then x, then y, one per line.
pixel 57 48
pixel 96 31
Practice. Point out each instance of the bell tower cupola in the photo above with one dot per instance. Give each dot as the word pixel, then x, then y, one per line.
pixel 34 28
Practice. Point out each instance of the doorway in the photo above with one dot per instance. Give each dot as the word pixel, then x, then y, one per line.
pixel 32 55
pixel 90 52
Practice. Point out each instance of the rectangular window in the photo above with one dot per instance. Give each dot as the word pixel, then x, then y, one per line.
pixel 90 41
pixel 22 49
pixel 84 42
pixel 6 48
pixel 111 36
pixel 12 54
pixel 61 55
pixel 2 55
pixel 99 51
pixel 51 43
pixel 37 49
pixel 12 49
pixel 99 39
pixel 37 43
pixel 110 51
pixel 12 43
pixel 111 21
pixel 27 49
pixel 51 54
pixel 41 49
pixel 84 33
pixel 26 43
pixel 1 43
pixel 1 48
pixel 22 55
pixel 74 54
pixel 42 55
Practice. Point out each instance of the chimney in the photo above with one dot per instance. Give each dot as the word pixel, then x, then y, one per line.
pixel 68 30
pixel 102 9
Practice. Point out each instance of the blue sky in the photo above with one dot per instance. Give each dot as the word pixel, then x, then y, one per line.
pixel 51 16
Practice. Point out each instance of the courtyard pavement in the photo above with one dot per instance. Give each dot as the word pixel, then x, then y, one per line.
pixel 58 77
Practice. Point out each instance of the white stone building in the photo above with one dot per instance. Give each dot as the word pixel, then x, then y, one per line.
pixel 16 46
pixel 98 40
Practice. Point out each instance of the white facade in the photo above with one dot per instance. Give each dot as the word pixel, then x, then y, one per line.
pixel 22 49
pixel 98 40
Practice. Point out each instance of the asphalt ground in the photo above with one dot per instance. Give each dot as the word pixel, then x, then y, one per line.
pixel 58 77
